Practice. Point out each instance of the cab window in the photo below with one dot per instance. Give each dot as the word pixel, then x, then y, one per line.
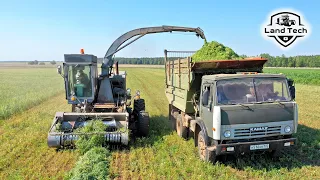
pixel 206 95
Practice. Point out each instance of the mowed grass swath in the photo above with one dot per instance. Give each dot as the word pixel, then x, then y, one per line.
pixel 22 88
pixel 163 155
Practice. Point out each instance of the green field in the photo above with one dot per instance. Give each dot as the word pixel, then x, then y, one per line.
pixel 301 76
pixel 163 155
pixel 17 94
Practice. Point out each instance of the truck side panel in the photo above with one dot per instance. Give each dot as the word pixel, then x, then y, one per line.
pixel 178 84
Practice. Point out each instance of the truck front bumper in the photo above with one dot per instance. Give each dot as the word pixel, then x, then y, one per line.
pixel 250 147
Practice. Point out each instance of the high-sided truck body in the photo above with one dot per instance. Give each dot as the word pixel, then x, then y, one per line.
pixel 230 106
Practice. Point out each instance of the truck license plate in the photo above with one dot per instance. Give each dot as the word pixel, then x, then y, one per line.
pixel 259 146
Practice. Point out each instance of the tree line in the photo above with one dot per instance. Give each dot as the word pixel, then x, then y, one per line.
pixel 292 61
pixel 36 62
pixel 273 61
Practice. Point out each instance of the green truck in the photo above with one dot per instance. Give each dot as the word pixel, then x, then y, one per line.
pixel 231 106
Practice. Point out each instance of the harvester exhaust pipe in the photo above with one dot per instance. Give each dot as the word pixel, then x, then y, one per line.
pixel 117 68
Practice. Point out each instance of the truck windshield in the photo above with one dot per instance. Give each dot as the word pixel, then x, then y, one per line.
pixel 79 80
pixel 252 90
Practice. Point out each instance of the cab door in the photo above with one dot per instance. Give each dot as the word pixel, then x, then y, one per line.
pixel 206 107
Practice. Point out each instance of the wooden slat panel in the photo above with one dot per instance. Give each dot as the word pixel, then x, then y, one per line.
pixel 185 65
pixel 182 61
pixel 183 71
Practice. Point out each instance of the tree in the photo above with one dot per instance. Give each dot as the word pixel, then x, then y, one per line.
pixel 42 63
pixel 53 62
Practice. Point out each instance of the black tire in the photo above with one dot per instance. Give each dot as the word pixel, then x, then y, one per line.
pixel 139 105
pixel 143 124
pixel 204 153
pixel 275 155
pixel 182 131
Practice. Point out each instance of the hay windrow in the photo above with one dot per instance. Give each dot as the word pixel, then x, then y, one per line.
pixel 86 142
pixel 94 164
pixel 214 51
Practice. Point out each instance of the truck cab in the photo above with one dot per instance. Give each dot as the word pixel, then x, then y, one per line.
pixel 248 112
pixel 231 106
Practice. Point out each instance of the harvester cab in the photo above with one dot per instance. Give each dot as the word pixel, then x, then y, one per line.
pixel 80 78
pixel 103 97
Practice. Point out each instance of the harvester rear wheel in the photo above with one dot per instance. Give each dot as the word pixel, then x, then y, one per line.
pixel 138 105
pixel 182 131
pixel 143 124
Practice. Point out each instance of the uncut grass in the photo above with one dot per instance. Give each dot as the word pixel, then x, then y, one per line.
pixel 301 76
pixel 21 89
pixel 166 156
pixel 23 149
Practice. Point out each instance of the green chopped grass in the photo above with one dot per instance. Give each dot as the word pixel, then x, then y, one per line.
pixel 94 164
pixel 214 51
pixel 87 142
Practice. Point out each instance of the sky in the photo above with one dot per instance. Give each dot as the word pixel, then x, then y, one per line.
pixel 46 30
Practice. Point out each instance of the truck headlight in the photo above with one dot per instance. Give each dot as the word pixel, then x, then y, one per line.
pixel 287 129
pixel 227 133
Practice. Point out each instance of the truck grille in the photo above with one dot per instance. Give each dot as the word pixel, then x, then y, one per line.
pixel 273 130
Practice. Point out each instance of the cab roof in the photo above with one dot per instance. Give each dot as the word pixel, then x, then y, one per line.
pixel 240 75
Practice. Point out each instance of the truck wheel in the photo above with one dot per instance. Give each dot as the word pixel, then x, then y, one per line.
pixel 204 153
pixel 182 131
pixel 143 124
pixel 172 117
pixel 275 155
pixel 138 105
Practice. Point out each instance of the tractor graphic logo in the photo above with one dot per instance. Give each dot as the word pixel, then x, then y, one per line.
pixel 285 27
pixel 285 21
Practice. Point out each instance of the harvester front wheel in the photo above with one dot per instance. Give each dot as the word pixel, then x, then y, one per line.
pixel 143 124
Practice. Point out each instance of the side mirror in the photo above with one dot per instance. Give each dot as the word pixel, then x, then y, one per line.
pixel 292 92
pixel 128 92
pixel 205 97
pixel 292 89
pixel 59 69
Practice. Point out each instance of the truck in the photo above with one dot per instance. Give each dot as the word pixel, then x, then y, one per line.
pixel 230 107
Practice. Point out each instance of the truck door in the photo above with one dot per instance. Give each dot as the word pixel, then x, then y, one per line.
pixel 206 112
